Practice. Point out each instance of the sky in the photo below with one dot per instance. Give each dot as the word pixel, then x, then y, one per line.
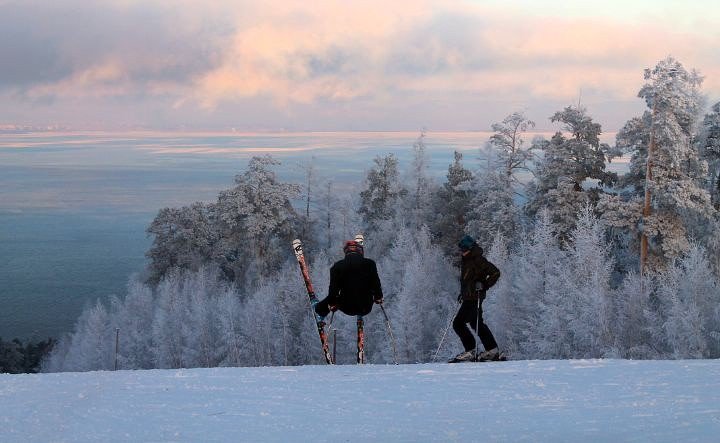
pixel 293 65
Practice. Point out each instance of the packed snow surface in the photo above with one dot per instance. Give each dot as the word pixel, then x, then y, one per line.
pixel 576 400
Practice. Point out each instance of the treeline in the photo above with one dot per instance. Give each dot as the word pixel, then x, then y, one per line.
pixel 594 264
pixel 17 357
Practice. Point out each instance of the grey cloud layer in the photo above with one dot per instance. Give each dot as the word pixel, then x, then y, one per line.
pixel 43 42
pixel 324 61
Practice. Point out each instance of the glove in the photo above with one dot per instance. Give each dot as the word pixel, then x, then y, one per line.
pixel 480 294
pixel 379 301
pixel 333 308
pixel 460 297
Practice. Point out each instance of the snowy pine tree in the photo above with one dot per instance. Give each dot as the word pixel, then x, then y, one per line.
pixel 255 222
pixel 417 202
pixel 535 275
pixel 690 294
pixel 709 144
pixel 452 205
pixel 572 171
pixel 420 287
pixel 679 205
pixel 586 276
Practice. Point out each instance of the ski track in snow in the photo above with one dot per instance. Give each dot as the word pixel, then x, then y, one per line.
pixel 575 400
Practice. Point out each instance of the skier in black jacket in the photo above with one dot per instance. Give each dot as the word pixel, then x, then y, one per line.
pixel 354 287
pixel 477 275
pixel 354 284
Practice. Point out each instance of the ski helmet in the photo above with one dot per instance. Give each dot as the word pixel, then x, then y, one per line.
pixel 352 246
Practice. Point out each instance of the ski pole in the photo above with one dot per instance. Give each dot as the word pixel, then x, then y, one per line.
pixel 477 326
pixel 360 340
pixel 392 336
pixel 442 339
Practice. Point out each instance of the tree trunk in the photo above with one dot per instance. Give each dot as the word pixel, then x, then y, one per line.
pixel 646 206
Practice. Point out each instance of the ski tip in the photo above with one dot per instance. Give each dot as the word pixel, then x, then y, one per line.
pixel 360 239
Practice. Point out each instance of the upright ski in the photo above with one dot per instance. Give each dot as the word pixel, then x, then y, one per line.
pixel 297 247
pixel 360 340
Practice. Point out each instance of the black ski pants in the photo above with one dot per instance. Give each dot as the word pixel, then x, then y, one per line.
pixel 470 315
pixel 349 307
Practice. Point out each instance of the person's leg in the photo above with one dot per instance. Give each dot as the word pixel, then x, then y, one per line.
pixel 466 314
pixel 326 305
pixel 483 331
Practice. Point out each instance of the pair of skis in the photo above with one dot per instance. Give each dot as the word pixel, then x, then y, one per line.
pixel 500 357
pixel 320 321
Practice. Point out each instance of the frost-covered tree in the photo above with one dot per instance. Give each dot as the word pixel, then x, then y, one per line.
pixel 508 143
pixel 263 328
pixel 308 190
pixel 417 203
pixel 492 208
pixel 255 221
pixel 231 341
pixel 709 145
pixel 200 329
pixel 535 275
pixel 670 185
pixel 133 316
pixel 243 233
pixel 331 205
pixel 452 205
pixel 92 344
pixel 420 288
pixel 183 238
pixel 638 323
pixel 690 294
pixel 169 348
pixel 586 275
pixel 572 171
pixel 379 199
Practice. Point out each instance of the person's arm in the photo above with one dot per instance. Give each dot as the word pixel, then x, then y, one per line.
pixel 490 275
pixel 334 288
pixel 375 284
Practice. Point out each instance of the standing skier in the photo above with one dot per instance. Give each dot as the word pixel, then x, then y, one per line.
pixel 477 275
pixel 354 284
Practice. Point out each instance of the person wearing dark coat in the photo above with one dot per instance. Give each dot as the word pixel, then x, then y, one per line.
pixel 477 275
pixel 354 284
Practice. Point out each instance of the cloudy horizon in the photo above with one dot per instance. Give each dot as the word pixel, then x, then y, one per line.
pixel 370 65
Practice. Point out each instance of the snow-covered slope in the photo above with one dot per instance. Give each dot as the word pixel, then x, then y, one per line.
pixel 591 400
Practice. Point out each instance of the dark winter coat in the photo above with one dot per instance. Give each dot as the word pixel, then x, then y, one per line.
pixel 354 284
pixel 477 275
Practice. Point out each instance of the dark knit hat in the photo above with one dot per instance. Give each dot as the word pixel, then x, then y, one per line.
pixel 466 243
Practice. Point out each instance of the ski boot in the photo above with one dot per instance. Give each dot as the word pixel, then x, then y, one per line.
pixel 463 357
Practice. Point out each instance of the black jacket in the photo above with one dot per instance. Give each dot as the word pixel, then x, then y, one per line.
pixel 477 274
pixel 355 283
